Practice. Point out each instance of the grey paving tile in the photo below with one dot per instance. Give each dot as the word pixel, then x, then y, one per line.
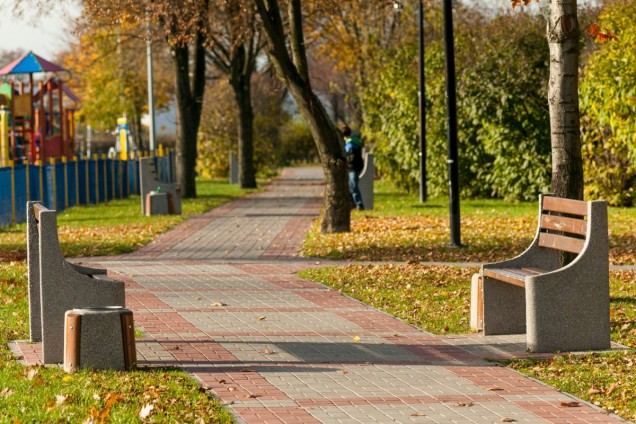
pixel 359 381
pixel 317 349
pixel 271 322
pixel 233 299
pixel 442 413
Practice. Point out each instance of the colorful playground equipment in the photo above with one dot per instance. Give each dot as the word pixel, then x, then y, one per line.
pixel 35 124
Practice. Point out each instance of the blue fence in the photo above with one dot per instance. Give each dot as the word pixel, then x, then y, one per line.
pixel 61 185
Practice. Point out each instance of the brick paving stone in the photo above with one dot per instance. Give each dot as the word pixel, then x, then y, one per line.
pixel 218 297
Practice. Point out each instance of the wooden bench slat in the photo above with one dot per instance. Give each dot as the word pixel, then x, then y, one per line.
pixel 562 223
pixel 557 204
pixel 522 273
pixel 535 271
pixel 505 276
pixel 559 242
pixel 37 208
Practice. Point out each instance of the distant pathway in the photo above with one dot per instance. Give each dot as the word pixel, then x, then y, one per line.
pixel 218 297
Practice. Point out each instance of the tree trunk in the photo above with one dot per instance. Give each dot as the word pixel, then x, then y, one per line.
pixel 240 80
pixel 186 136
pixel 295 76
pixel 189 106
pixel 567 163
pixel 337 210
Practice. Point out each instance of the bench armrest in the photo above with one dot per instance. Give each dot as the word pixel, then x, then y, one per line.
pixel 86 270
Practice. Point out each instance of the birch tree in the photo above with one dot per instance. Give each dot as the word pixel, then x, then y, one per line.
pixel 563 36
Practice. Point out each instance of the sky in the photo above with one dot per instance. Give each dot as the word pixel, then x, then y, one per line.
pixel 45 35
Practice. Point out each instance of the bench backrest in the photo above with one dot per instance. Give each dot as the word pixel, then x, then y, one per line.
pixel 563 224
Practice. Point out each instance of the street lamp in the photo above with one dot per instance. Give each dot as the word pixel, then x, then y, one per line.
pixel 151 93
pixel 451 119
pixel 422 106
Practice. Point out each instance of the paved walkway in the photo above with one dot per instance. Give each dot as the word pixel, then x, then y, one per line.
pixel 218 297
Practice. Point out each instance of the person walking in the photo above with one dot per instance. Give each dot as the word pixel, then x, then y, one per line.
pixel 355 164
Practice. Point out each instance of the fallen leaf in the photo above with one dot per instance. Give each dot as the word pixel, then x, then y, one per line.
pixel 250 396
pixel 6 392
pixel 570 404
pixel 507 420
pixel 418 414
pixel 356 339
pixel 611 388
pixel 343 371
pixel 593 391
pixel 262 318
pixel 219 304
pixel 222 381
pixel 145 411
pixel 60 399
pixel 231 389
pixel 267 352
pixel 494 389
pixel 67 378
pixel 464 404
pixel 32 373
pixel 247 370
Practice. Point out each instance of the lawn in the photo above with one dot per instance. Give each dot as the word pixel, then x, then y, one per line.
pixel 47 394
pixel 401 233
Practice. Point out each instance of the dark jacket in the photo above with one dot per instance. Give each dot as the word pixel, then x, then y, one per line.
pixel 353 153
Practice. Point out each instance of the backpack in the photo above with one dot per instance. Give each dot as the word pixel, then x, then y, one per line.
pixel 354 157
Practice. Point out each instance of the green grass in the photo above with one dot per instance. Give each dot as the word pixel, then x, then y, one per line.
pixel 47 394
pixel 437 298
pixel 402 229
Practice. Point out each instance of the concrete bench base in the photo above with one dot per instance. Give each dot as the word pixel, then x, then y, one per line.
pixel 157 203
pixel 99 338
pixel 149 181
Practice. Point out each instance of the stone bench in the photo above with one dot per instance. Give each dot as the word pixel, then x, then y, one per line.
pixel 234 168
pixel 149 182
pixel 99 338
pixel 559 307
pixel 56 285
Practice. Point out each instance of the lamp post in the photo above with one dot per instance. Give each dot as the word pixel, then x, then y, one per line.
pixel 422 106
pixel 151 93
pixel 451 119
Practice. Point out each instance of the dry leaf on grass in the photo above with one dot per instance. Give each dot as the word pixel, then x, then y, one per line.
pixel 145 411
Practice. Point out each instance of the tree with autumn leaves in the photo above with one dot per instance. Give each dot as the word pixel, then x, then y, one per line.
pixel 109 75
pixel 189 34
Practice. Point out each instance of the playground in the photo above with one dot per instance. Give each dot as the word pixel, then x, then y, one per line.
pixel 36 112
